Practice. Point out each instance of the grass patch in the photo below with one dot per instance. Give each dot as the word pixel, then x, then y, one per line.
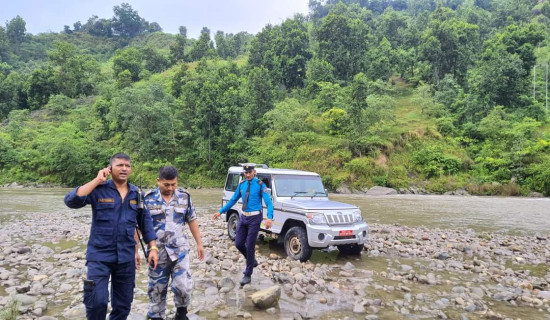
pixel 10 311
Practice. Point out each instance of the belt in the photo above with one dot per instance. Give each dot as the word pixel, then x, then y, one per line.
pixel 252 213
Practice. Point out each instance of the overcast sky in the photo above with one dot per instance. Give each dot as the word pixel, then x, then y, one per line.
pixel 230 16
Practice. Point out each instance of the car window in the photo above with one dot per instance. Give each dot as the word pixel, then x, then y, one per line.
pixel 232 182
pixel 299 186
pixel 266 179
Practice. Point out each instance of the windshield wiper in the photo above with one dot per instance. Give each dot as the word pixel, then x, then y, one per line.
pixel 297 193
pixel 318 193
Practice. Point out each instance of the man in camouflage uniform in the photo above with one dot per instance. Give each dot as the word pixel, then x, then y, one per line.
pixel 170 209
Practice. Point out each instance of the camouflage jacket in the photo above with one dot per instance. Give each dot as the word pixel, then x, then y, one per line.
pixel 169 220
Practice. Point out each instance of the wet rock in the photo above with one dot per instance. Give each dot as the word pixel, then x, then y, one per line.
pixel 443 255
pixel 348 267
pixel 223 314
pixel 544 295
pixel 77 312
pixel 25 300
pixel 211 291
pixel 380 191
pixel 23 289
pixel 226 284
pixel 266 298
pixel 271 311
pixel 504 296
pixel 23 250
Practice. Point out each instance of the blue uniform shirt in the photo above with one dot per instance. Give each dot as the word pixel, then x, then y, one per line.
pixel 254 200
pixel 113 222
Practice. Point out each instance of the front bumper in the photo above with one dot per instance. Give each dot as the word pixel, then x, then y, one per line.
pixel 322 236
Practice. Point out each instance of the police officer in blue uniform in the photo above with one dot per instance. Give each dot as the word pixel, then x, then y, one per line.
pixel 252 191
pixel 111 251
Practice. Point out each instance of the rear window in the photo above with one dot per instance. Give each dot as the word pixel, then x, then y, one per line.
pixel 232 182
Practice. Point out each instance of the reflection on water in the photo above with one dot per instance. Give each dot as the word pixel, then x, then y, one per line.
pixel 502 214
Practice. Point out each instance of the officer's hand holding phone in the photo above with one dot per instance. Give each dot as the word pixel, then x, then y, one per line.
pixel 103 174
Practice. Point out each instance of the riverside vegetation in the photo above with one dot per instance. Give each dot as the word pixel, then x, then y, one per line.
pixel 434 95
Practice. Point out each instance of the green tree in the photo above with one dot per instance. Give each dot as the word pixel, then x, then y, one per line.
pixel 76 74
pixel 343 42
pixel 13 93
pixel 16 30
pixel 336 120
pixel 204 47
pixel 126 21
pixel 98 27
pixel 41 85
pixel 261 98
pixel 177 49
pixel 448 44
pixel 154 60
pixel 128 59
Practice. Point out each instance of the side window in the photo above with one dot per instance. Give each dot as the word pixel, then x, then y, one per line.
pixel 266 179
pixel 232 182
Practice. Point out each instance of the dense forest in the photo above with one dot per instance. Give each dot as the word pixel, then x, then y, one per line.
pixel 439 95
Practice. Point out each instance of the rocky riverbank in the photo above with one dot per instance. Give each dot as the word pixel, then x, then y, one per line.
pixel 414 273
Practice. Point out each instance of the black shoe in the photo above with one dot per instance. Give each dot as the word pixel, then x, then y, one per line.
pixel 181 314
pixel 245 280
pixel 148 318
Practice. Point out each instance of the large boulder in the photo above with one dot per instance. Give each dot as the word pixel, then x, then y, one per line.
pixel 380 191
pixel 266 298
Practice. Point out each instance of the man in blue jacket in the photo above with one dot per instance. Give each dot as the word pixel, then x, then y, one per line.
pixel 252 190
pixel 111 251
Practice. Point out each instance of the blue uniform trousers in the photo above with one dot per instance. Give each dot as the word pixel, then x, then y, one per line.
pixel 96 294
pixel 245 239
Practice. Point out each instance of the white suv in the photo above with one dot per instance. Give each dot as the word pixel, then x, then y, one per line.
pixel 303 216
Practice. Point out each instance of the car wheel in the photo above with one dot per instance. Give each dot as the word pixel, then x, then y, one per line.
pixel 351 249
pixel 296 246
pixel 232 225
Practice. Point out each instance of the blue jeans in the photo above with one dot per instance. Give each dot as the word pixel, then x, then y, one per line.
pixel 245 239
pixel 96 293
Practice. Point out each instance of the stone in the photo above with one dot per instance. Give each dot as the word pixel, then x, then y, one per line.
pixel 226 285
pixel 211 291
pixel 380 191
pixel 25 300
pixel 223 314
pixel 266 298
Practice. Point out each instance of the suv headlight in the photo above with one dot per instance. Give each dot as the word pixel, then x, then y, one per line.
pixel 316 218
pixel 357 216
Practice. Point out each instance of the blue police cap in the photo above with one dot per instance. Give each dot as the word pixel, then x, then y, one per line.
pixel 248 167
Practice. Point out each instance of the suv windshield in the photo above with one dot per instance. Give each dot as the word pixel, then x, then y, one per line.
pixel 299 186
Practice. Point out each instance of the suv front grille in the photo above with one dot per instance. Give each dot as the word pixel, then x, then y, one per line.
pixel 339 218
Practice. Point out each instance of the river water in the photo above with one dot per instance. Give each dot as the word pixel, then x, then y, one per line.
pixel 496 214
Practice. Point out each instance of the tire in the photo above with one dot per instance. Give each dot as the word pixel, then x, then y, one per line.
pixel 232 225
pixel 351 249
pixel 296 246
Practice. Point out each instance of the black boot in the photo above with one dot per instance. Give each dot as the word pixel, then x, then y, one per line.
pixel 181 314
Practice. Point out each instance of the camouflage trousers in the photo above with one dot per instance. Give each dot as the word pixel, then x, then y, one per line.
pixel 181 284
